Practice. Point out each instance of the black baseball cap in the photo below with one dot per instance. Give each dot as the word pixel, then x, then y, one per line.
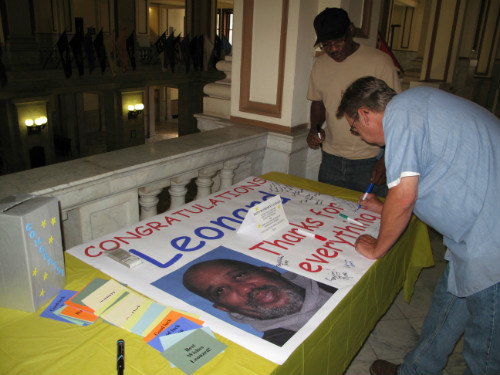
pixel 332 23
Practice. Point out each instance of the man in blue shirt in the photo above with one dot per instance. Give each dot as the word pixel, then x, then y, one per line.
pixel 442 155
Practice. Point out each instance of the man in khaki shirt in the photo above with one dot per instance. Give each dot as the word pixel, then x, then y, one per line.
pixel 347 161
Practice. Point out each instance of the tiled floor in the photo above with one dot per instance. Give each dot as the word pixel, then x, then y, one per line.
pixel 398 330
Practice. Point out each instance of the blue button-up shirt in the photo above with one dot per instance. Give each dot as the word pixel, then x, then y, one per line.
pixel 453 145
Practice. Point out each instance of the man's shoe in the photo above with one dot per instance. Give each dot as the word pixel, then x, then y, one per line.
pixel 381 367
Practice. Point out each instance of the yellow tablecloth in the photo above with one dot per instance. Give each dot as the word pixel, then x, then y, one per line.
pixel 30 344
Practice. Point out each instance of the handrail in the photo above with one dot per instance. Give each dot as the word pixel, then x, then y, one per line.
pixel 145 163
pixel 132 178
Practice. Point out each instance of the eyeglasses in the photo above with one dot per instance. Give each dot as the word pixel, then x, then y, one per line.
pixel 337 43
pixel 352 128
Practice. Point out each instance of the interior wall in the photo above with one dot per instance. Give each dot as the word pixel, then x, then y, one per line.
pixel 322 4
pixel 469 31
pixel 125 17
pixel 262 50
pixel 163 20
pixel 355 9
pixel 154 30
pixel 43 20
pixel 176 21
pixel 374 25
pixel 303 40
pixel 256 90
pixel 490 39
pixel 264 80
pixel 86 10
pixel 56 17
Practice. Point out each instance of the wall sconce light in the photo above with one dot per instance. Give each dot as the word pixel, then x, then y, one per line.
pixel 36 126
pixel 135 110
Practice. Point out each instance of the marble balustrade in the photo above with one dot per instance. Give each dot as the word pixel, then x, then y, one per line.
pixel 103 193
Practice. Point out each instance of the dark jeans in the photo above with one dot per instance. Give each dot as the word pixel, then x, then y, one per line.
pixel 476 316
pixel 350 174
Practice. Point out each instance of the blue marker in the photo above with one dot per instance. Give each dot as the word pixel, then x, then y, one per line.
pixel 366 194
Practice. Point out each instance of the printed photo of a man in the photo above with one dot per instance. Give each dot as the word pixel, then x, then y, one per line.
pixel 276 303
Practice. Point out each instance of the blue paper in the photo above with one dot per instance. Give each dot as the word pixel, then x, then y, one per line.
pixel 56 304
pixel 151 313
pixel 180 325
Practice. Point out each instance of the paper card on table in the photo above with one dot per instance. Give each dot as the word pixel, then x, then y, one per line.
pixel 193 351
pixel 106 308
pixel 265 218
pixel 180 325
pixel 171 317
pixel 76 301
pixel 157 321
pixel 138 315
pixel 104 296
pixel 169 340
pixel 124 309
pixel 154 314
pixel 57 303
pixel 78 322
pixel 76 313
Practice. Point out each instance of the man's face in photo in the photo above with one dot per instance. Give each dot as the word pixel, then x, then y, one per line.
pixel 257 292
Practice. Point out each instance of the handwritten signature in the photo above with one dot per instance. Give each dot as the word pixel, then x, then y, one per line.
pixel 335 275
pixel 349 264
pixel 282 261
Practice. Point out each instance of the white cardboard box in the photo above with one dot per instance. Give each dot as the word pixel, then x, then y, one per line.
pixel 31 253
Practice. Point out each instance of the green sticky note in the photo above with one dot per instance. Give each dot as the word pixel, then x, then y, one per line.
pixel 193 351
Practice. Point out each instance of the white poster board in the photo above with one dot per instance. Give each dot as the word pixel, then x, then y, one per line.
pixel 314 245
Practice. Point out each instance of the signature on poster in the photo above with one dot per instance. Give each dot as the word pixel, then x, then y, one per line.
pixel 336 275
pixel 281 261
pixel 349 263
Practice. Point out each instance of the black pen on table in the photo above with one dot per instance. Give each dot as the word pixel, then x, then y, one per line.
pixel 120 356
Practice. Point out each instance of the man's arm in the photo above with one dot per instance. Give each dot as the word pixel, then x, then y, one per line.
pixel 317 116
pixel 396 214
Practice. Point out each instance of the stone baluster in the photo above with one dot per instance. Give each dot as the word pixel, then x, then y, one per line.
pixel 226 178
pixel 204 181
pixel 148 198
pixel 148 203
pixel 227 172
pixel 177 194
pixel 178 189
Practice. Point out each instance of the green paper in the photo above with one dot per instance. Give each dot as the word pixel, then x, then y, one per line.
pixel 193 351
pixel 90 288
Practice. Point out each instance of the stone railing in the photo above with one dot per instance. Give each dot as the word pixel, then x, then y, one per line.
pixel 103 193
